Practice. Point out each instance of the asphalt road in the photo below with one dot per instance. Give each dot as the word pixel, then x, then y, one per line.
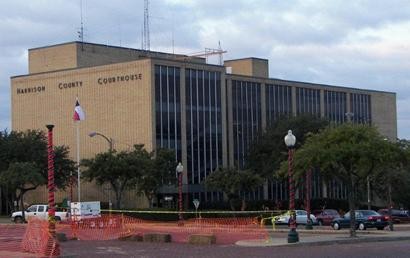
pixel 103 249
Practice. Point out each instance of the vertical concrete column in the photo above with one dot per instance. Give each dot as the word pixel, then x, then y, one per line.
pixel 263 105
pixel 294 100
pixel 348 109
pixel 322 103
pixel 183 127
pixel 224 120
pixel 324 188
pixel 263 115
pixel 230 122
pixel 153 119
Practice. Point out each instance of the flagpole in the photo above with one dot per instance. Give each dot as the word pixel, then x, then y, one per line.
pixel 78 162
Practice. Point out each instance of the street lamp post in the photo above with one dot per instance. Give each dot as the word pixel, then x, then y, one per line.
pixel 111 147
pixel 51 188
pixel 391 228
pixel 308 191
pixel 179 170
pixel 109 140
pixel 290 141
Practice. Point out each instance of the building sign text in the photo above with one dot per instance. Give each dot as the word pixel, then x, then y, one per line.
pixel 68 85
pixel 31 89
pixel 119 78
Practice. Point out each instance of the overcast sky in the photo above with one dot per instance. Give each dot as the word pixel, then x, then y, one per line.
pixel 361 44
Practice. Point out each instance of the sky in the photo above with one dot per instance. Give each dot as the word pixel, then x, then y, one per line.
pixel 353 43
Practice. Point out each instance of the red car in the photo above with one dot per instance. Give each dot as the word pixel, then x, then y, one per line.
pixel 324 217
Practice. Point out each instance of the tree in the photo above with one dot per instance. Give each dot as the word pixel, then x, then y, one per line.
pixel 161 170
pixel 348 152
pixel 232 181
pixel 23 177
pixel 119 169
pixel 269 145
pixel 394 173
pixel 24 166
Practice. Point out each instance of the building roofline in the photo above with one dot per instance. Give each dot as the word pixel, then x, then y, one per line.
pixel 109 46
pixel 136 60
pixel 310 83
pixel 245 58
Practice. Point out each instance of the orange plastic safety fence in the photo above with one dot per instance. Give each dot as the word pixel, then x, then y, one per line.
pixel 38 240
pixel 108 227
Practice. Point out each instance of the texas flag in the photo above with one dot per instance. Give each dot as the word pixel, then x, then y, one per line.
pixel 78 112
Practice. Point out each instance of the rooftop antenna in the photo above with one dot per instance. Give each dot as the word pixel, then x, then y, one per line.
pixel 81 32
pixel 173 35
pixel 142 37
pixel 221 61
pixel 210 52
pixel 146 26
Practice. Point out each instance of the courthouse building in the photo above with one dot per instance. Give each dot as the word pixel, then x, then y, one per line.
pixel 207 113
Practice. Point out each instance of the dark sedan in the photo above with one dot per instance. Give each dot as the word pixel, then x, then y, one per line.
pixel 398 216
pixel 364 219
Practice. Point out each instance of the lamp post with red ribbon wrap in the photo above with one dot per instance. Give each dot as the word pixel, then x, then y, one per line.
pixel 179 170
pixel 53 248
pixel 290 141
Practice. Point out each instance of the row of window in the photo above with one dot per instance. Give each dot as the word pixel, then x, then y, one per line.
pixel 203 114
pixel 203 123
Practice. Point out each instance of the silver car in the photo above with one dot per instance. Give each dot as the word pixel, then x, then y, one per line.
pixel 301 218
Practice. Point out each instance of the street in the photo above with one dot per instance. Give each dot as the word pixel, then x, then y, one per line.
pixel 393 249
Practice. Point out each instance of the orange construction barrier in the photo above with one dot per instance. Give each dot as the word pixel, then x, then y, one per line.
pixel 38 240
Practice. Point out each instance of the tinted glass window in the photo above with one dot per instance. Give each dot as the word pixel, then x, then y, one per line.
pixel 32 208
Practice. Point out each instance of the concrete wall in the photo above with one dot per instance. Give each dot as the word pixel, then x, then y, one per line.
pixel 256 67
pixel 52 58
pixel 384 113
pixel 117 100
pixel 80 55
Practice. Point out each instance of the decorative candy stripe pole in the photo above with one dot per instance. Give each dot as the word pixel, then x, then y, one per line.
pixel 179 171
pixel 53 247
pixel 290 141
pixel 180 195
pixel 291 189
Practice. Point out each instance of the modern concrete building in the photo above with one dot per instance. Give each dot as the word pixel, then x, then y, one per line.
pixel 208 115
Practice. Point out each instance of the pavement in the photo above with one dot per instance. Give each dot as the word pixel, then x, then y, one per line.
pixel 5 220
pixel 319 236
pixel 326 236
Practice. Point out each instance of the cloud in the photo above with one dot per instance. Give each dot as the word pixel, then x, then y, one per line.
pixel 363 44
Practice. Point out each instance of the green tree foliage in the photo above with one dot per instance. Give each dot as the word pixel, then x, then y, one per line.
pixel 129 169
pixel 392 179
pixel 348 152
pixel 232 181
pixel 161 171
pixel 269 149
pixel 23 163
pixel 23 177
pixel 119 169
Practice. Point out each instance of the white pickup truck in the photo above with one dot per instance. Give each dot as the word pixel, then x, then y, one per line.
pixel 38 211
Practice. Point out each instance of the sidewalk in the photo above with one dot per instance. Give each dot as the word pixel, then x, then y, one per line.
pixel 327 237
pixel 5 220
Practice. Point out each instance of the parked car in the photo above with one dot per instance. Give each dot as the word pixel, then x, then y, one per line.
pixel 38 211
pixel 301 218
pixel 364 219
pixel 325 217
pixel 398 216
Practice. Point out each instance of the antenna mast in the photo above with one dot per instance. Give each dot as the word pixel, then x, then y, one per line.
pixel 81 32
pixel 146 26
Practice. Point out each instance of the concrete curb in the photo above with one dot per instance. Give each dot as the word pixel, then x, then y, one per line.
pixel 310 242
